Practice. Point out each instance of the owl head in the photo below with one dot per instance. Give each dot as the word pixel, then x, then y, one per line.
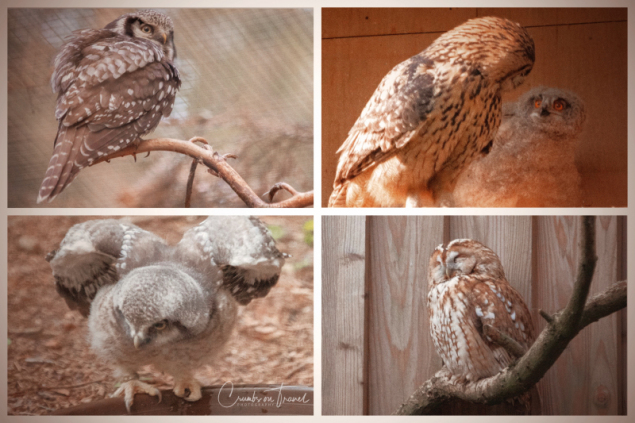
pixel 552 110
pixel 154 26
pixel 496 49
pixel 160 304
pixel 462 257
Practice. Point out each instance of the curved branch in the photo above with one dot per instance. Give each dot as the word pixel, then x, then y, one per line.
pixel 531 367
pixel 216 163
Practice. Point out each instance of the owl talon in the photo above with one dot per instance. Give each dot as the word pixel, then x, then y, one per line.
pixel 131 387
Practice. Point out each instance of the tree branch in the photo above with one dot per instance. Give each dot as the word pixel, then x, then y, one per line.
pixel 521 375
pixel 216 164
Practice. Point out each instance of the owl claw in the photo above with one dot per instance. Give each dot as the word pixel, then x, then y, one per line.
pixel 131 387
pixel 188 390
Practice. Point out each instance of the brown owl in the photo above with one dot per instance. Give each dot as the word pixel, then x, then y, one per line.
pixel 431 115
pixel 532 160
pixel 113 85
pixel 466 290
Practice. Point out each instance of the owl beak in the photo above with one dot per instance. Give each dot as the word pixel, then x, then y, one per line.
pixel 137 341
pixel 447 273
pixel 165 37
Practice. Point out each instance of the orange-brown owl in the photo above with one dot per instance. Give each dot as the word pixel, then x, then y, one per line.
pixel 431 115
pixel 466 290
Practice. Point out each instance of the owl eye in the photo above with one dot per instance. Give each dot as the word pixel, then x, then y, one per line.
pixel 147 29
pixel 537 103
pixel 161 325
pixel 558 105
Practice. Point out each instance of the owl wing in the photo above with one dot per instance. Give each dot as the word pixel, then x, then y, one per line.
pixel 97 253
pixel 111 90
pixel 242 247
pixel 394 114
pixel 499 305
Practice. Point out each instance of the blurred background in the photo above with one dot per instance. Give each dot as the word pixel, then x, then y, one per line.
pixel 247 88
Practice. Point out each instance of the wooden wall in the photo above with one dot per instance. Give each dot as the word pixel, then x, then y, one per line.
pixel 376 343
pixel 583 50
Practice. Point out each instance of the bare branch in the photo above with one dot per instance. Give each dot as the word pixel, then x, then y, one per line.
pixel 216 163
pixel 520 376
pixel 190 184
pixel 504 340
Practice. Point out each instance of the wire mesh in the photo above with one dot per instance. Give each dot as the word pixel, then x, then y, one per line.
pixel 247 88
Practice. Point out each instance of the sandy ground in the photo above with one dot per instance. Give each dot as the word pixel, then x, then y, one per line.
pixel 51 366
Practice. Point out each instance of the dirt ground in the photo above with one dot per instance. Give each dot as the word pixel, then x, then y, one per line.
pixel 50 363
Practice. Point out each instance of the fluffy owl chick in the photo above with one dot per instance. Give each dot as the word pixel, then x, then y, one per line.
pixel 532 160
pixel 431 115
pixel 467 289
pixel 173 307
pixel 113 85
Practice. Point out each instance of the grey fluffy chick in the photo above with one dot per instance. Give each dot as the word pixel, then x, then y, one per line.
pixel 532 160
pixel 170 306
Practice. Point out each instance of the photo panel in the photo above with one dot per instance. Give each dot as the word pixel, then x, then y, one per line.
pixel 409 297
pixel 217 311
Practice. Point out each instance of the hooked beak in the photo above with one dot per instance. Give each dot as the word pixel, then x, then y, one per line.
pixel 137 341
pixel 447 273
pixel 165 38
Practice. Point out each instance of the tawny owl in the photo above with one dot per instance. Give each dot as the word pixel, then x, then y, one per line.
pixel 113 85
pixel 466 290
pixel 169 306
pixel 532 160
pixel 430 115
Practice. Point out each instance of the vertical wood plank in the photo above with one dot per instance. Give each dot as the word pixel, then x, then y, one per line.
pixel 510 237
pixel 588 368
pixel 401 354
pixel 343 277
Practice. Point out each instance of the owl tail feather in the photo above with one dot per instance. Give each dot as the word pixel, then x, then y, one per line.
pixel 61 170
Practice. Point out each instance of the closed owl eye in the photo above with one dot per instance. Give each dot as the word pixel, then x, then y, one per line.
pixel 559 105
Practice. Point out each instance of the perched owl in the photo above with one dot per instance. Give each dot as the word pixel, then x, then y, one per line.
pixel 532 160
pixel 170 306
pixel 431 115
pixel 113 85
pixel 466 290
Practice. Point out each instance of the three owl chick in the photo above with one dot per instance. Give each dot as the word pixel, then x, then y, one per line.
pixel 170 306
pixel 431 115
pixel 532 160
pixel 467 290
pixel 113 86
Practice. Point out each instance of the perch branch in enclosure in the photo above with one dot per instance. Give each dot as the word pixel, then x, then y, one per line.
pixel 218 166
pixel 561 328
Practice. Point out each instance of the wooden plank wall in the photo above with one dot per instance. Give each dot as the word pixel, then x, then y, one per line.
pixel 583 50
pixel 377 347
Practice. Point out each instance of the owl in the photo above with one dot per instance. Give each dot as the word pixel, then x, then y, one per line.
pixel 113 85
pixel 466 290
pixel 431 115
pixel 532 160
pixel 170 306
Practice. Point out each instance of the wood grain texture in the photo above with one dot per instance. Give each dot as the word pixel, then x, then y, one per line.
pixel 509 236
pixel 401 353
pixel 584 380
pixel 583 50
pixel 343 290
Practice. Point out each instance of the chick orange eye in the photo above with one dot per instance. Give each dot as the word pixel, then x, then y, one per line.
pixel 558 105
pixel 537 103
pixel 161 325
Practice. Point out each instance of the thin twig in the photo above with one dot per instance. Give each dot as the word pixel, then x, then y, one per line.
pixel 216 163
pixel 190 184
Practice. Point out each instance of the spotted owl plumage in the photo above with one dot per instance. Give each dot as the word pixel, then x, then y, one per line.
pixel 467 289
pixel 173 307
pixel 431 115
pixel 113 86
pixel 532 160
